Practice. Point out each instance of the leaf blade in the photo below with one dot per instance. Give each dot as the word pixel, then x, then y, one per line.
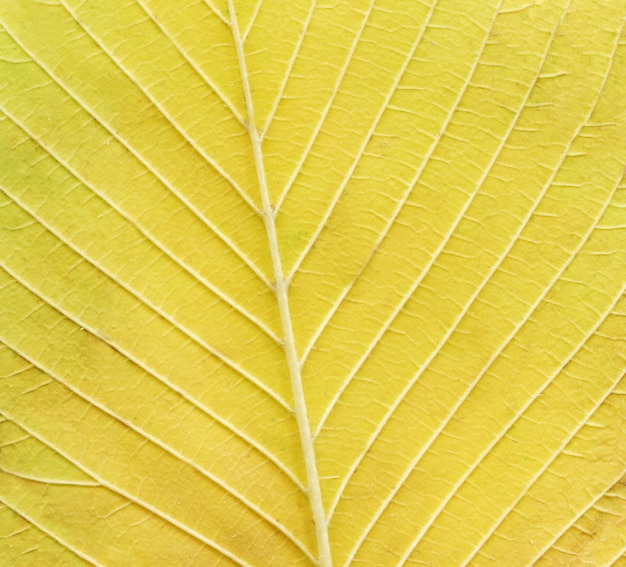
pixel 440 297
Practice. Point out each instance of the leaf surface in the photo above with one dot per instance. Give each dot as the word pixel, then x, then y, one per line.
pixel 331 283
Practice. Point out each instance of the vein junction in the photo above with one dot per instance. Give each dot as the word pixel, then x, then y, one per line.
pixel 288 342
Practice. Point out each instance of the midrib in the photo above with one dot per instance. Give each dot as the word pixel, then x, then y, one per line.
pixel 313 485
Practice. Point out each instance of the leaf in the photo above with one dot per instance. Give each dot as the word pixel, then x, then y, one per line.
pixel 313 282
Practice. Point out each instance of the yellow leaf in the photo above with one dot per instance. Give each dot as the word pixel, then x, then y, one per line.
pixel 312 283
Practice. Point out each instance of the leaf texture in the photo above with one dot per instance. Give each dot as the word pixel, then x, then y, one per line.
pixel 313 282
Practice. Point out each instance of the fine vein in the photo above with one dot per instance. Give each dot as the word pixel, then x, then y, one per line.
pixel 313 485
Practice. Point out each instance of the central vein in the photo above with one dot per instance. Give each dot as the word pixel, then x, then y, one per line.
pixel 289 345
